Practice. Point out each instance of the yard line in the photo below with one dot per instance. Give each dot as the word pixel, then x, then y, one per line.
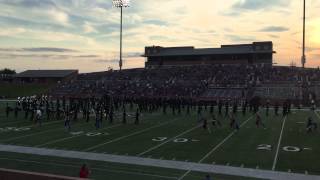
pixel 65 164
pixel 11 122
pixel 224 140
pixel 33 134
pixel 63 139
pixel 165 142
pixel 216 147
pixel 29 126
pixel 179 165
pixel 317 114
pixel 279 143
pixel 129 135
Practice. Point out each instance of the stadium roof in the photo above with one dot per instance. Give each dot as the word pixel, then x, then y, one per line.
pixel 191 51
pixel 45 73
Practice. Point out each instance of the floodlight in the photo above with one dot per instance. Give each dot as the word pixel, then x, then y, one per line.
pixel 303 58
pixel 121 4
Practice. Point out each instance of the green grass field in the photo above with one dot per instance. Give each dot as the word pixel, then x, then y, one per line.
pixel 168 137
pixel 12 90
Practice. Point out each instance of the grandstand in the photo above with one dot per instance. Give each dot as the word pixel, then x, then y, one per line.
pixel 212 82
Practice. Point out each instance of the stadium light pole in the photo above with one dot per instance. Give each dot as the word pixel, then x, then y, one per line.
pixel 121 4
pixel 303 58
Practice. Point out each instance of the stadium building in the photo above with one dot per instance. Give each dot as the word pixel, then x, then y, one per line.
pixel 255 53
pixel 46 76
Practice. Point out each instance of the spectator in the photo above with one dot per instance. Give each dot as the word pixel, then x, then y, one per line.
pixel 84 171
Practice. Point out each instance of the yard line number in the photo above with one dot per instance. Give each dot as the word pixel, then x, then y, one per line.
pixel 177 140
pixel 268 147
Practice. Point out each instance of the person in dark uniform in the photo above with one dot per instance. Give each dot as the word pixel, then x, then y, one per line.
pixel 16 111
pixel 124 116
pixel 67 119
pixel 220 107
pixel 227 108
pixel 244 108
pixel 259 121
pixel 284 109
pixel 235 107
pixel 267 107
pixel 111 116
pixel 276 109
pixel 215 121
pixel 205 124
pixel 7 110
pixel 137 118
pixel 311 125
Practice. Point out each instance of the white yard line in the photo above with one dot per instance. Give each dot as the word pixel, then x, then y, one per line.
pixel 129 135
pixel 278 147
pixel 216 147
pixel 33 134
pixel 12 122
pixel 95 168
pixel 165 142
pixel 147 162
pixel 29 126
pixel 317 114
pixel 67 138
pixel 224 140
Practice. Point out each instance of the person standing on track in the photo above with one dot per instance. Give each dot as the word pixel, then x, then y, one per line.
pixel 84 171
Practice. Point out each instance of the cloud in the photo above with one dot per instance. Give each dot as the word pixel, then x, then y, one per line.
pixel 274 36
pixel 48 49
pixel 105 61
pixel 89 28
pixel 258 4
pixel 274 29
pixel 238 38
pixel 311 49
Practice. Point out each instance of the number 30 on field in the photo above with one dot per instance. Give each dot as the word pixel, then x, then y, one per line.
pixel 178 140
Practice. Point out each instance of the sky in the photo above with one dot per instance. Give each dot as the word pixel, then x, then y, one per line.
pixel 84 34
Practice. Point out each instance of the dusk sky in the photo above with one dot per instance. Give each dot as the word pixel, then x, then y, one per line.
pixel 84 34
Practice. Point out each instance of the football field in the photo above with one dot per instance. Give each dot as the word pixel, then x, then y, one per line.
pixel 284 145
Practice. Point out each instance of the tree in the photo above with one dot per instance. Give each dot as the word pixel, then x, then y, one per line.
pixel 7 71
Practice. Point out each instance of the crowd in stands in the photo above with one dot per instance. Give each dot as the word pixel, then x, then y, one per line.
pixel 190 82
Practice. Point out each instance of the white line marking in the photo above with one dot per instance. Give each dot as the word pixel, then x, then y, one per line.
pixel 216 147
pixel 223 141
pixel 317 114
pixel 179 165
pixel 126 136
pixel 63 139
pixel 169 140
pixel 37 133
pixel 278 147
pixel 94 168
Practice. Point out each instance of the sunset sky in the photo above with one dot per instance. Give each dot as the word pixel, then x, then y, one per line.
pixel 84 34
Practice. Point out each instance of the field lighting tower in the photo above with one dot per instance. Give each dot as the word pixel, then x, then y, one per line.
pixel 121 4
pixel 303 58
